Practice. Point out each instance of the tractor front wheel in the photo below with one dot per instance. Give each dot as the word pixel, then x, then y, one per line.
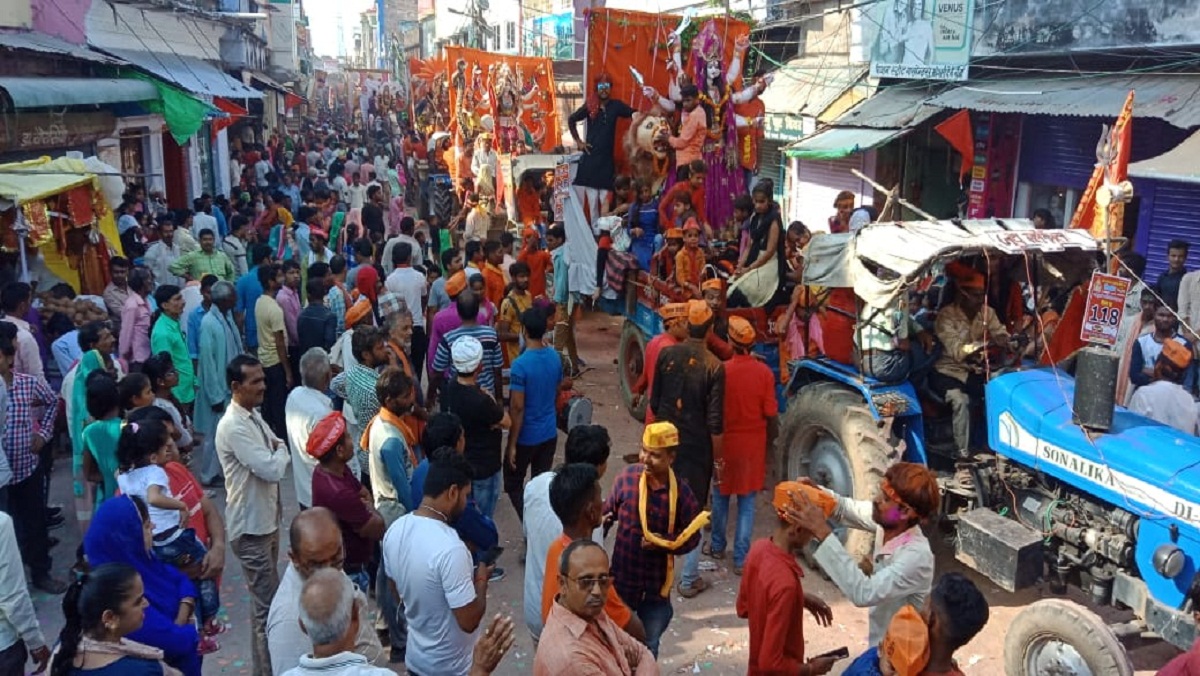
pixel 829 435
pixel 1055 636
pixel 631 361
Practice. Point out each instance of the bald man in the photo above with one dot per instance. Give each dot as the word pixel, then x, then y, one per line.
pixel 316 545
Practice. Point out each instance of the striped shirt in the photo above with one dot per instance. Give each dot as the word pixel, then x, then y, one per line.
pixel 493 359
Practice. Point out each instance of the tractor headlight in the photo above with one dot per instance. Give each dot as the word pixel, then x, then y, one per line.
pixel 1169 560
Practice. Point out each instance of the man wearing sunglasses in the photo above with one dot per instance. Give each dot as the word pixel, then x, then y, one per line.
pixel 594 176
pixel 901 568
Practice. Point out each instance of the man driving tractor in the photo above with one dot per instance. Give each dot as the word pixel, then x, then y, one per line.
pixel 967 328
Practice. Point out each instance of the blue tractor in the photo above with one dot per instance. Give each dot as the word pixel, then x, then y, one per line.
pixel 1116 514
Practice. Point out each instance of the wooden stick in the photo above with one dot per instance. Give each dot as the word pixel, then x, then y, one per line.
pixel 923 214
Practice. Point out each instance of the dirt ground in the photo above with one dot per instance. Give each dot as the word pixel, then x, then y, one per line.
pixel 706 636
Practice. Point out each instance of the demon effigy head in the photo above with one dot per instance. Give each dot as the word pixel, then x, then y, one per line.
pixel 646 150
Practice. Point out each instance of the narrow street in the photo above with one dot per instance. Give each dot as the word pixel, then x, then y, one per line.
pixel 706 636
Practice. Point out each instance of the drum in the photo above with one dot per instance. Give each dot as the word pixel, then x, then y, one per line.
pixel 577 411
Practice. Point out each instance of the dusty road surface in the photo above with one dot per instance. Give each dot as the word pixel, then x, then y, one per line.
pixel 706 636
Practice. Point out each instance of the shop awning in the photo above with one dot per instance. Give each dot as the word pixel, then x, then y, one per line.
pixel 797 89
pixel 267 81
pixel 887 115
pixel 1178 164
pixel 23 182
pixel 192 75
pixel 43 92
pixel 46 44
pixel 837 142
pixel 1170 97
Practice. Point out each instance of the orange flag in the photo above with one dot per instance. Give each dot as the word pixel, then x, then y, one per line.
pixel 1089 215
pixel 957 130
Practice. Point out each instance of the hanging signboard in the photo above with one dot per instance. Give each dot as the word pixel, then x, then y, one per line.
pixel 1102 313
pixel 919 39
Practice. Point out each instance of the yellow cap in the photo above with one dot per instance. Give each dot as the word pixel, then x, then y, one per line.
pixel 660 435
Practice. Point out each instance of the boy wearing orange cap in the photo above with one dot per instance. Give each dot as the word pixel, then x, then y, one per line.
pixel 1166 400
pixel 689 262
pixel 751 424
pixel 966 328
pixel 662 263
pixel 335 487
pixel 772 598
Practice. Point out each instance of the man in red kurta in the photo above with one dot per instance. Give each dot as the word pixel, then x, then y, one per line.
pixel 772 598
pixel 674 317
pixel 751 423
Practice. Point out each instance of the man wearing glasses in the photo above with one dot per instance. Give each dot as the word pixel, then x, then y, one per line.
pixel 579 634
pixel 594 177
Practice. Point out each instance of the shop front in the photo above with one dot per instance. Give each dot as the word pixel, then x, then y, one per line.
pixel 29 135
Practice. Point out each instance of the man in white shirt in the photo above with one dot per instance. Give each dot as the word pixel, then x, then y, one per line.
pixel 316 544
pixel 444 602
pixel 342 189
pixel 15 298
pixel 261 169
pixel 356 193
pixel 588 444
pixel 902 573
pixel 406 282
pixel 306 406
pixel 484 156
pixel 235 244
pixel 161 254
pixel 254 461
pixel 203 220
pixel 1165 400
pixel 20 634
pixel 407 226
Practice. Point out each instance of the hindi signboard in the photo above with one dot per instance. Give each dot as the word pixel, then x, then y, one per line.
pixel 919 39
pixel 1105 305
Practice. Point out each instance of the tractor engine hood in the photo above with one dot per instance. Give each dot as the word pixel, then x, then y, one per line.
pixel 1140 466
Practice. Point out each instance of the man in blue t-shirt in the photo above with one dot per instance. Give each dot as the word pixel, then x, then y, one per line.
pixel 534 383
pixel 248 291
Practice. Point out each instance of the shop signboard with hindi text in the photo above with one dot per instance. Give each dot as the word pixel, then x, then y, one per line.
pixel 919 39
pixel 1103 310
pixel 54 131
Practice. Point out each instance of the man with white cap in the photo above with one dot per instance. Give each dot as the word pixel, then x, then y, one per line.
pixel 483 421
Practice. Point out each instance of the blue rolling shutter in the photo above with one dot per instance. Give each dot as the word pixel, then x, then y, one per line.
pixel 1176 206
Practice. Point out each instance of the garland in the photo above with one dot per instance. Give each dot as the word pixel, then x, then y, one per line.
pixel 716 131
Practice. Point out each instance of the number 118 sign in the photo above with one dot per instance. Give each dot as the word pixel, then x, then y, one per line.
pixel 1105 305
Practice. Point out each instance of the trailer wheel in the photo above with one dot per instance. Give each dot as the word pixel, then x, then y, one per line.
pixel 830 436
pixel 1062 638
pixel 631 361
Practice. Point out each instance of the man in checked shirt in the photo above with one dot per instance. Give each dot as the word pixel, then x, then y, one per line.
pixel 658 518
pixel 23 442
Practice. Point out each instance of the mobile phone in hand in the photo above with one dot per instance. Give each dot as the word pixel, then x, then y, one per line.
pixel 839 654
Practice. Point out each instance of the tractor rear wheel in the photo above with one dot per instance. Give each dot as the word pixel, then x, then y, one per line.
pixel 829 435
pixel 443 200
pixel 631 361
pixel 1060 637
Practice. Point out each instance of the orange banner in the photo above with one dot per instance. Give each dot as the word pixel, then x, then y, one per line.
pixel 618 40
pixel 430 98
pixel 512 96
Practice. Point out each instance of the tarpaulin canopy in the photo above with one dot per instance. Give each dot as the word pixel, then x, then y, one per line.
pixel 880 260
pixel 23 182
pixel 1178 164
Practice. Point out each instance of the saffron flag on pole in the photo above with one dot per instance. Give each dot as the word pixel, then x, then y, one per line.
pixel 956 129
pixel 1089 214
